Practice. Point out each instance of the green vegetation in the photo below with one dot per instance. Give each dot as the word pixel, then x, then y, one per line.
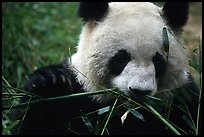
pixel 35 35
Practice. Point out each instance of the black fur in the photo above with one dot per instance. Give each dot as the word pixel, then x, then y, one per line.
pixel 92 10
pixel 54 117
pixel 176 14
pixel 57 118
pixel 55 79
pixel 117 63
pixel 159 64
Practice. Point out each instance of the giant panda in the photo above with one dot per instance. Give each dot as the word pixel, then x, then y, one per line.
pixel 120 47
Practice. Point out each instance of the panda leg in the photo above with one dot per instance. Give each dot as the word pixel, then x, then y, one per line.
pixel 52 117
pixel 53 80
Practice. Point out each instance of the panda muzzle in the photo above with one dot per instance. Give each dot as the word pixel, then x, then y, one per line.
pixel 138 92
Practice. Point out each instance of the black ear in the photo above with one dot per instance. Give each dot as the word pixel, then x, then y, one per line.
pixel 176 14
pixel 92 10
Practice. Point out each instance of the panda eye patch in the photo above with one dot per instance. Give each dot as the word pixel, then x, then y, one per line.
pixel 159 64
pixel 118 62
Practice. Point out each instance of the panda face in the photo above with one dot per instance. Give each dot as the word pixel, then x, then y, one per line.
pixel 124 50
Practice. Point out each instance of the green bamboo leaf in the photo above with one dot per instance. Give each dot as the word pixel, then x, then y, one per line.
pixel 109 116
pixel 103 110
pixel 87 123
pixel 53 99
pixel 4 132
pixel 196 49
pixel 154 98
pixel 165 40
pixel 97 128
pixel 137 114
pixel 19 74
pixel 195 65
pixel 188 122
pixel 160 117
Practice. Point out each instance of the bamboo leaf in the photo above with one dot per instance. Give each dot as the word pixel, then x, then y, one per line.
pixel 97 128
pixel 165 40
pixel 124 116
pixel 103 110
pixel 195 65
pixel 4 132
pixel 195 50
pixel 54 99
pixel 137 114
pixel 159 116
pixel 109 116
pixel 188 122
pixel 87 123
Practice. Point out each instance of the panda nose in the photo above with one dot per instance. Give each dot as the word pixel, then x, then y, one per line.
pixel 139 92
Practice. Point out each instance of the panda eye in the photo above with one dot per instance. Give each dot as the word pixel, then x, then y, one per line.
pixel 159 64
pixel 118 62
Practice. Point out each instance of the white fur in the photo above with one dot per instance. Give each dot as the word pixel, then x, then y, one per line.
pixel 137 28
pixel 137 77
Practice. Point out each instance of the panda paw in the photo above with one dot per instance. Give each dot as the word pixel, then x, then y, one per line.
pixel 50 81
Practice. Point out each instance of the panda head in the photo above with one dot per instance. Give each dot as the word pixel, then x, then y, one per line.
pixel 121 46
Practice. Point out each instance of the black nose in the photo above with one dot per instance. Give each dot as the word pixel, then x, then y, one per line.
pixel 140 92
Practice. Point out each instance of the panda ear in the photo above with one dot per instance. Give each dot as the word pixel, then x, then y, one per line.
pixel 176 14
pixel 92 10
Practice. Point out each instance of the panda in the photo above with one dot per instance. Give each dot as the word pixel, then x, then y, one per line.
pixel 121 47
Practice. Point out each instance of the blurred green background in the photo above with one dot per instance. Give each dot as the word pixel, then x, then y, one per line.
pixel 36 34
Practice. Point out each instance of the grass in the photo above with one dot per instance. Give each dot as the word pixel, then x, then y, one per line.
pixel 36 34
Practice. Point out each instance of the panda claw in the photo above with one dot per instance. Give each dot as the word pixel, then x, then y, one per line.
pixel 33 85
pixel 63 79
pixel 53 79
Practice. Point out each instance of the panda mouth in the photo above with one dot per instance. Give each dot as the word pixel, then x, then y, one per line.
pixel 138 94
